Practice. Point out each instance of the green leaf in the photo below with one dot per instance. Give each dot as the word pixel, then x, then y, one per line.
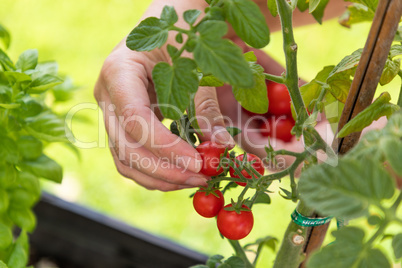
pixel 233 131
pixel 65 90
pixel 47 67
pixel 8 174
pixel 29 107
pixel 234 262
pixel 21 198
pixel 263 198
pixel 348 250
pixel 214 260
pixel 356 13
pixel 148 35
pixel 318 13
pixel 333 111
pixel 4 37
pixel 169 15
pixel 339 85
pixel 303 5
pixel 394 125
pixel 398 35
pixel 5 61
pixel 17 77
pixel 23 218
pixel 27 60
pixel 173 51
pixel 397 245
pixel 43 83
pixel 214 13
pixel 374 258
pixel 23 240
pixel 380 107
pixel 220 57
pixel 392 149
pixel 267 241
pixel 212 30
pixel 3 265
pixel 347 63
pixel 4 201
pixel 371 4
pixel 339 78
pixel 44 167
pixel 18 257
pixel 347 190
pixel 10 105
pixel 273 7
pixel 48 127
pixel 8 150
pixel 390 70
pixel 174 85
pixel 312 90
pixel 190 16
pixel 313 5
pixel 210 81
pixel 395 50
pixel 247 21
pixel 254 99
pixel 27 181
pixel 250 57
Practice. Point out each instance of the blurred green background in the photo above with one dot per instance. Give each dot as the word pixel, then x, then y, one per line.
pixel 79 35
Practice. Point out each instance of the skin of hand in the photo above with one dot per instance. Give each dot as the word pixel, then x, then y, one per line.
pixel 143 149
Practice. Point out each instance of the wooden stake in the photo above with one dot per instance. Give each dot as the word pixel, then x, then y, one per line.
pixel 361 94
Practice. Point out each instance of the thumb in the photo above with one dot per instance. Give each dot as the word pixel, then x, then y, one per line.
pixel 210 118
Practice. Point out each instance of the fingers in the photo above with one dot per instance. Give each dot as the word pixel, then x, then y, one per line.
pixel 128 86
pixel 131 157
pixel 210 119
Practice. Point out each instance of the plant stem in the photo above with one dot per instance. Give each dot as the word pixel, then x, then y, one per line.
pixel 274 78
pixel 290 252
pixel 290 49
pixel 240 252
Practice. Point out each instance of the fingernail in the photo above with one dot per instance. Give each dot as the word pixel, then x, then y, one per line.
pixel 196 181
pixel 222 136
pixel 190 163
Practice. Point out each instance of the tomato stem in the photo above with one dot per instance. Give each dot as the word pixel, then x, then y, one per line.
pixel 240 253
pixel 275 78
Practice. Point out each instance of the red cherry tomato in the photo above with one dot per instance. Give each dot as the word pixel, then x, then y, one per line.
pixel 278 128
pixel 257 165
pixel 207 204
pixel 235 226
pixel 210 153
pixel 279 99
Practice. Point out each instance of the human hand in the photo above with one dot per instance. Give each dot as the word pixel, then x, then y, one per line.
pixel 143 149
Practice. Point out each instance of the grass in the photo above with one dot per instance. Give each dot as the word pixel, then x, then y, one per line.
pixel 80 35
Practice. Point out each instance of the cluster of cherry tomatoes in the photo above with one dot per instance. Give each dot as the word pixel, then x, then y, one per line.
pixel 234 221
pixel 278 121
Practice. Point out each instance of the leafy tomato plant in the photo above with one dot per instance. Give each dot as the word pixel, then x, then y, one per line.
pixel 354 186
pixel 28 91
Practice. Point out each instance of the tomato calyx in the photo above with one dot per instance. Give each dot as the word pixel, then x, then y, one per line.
pixel 247 169
pixel 209 190
pixel 238 206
